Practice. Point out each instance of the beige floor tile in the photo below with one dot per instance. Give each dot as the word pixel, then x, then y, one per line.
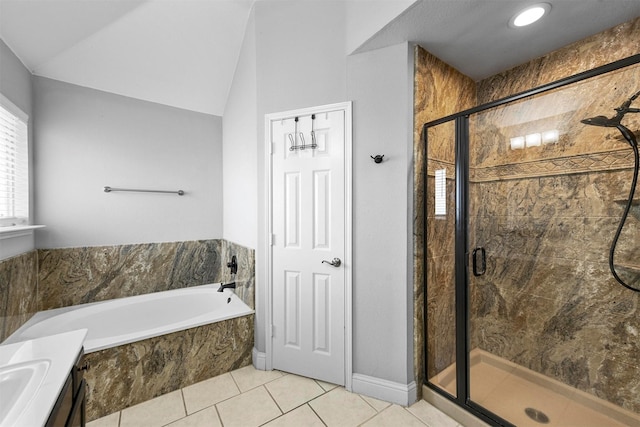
pixel 249 409
pixel 341 408
pixel 206 418
pixel 209 392
pixel 302 416
pixel 430 415
pixel 394 416
pixel 155 412
pixel 378 405
pixel 291 391
pixel 112 420
pixel 249 377
pixel 326 386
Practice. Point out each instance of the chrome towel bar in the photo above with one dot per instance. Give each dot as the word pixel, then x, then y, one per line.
pixel 108 189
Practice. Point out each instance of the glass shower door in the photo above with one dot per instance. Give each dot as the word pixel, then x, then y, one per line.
pixel 552 338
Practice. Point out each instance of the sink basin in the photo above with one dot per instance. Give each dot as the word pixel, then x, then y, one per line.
pixel 18 384
pixel 32 375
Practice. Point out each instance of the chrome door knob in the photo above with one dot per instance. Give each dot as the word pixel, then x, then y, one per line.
pixel 334 262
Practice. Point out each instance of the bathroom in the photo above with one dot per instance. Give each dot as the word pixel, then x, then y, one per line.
pixel 218 160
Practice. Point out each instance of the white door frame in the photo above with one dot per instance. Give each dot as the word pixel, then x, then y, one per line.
pixel 347 262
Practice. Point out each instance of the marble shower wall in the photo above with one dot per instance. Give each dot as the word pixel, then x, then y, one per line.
pixel 72 276
pixel 18 292
pixel 555 307
pixel 439 90
pixel 546 216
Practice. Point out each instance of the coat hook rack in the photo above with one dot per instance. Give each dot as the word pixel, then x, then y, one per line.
pixel 293 138
pixel 378 158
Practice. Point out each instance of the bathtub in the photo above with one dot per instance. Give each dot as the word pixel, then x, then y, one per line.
pixel 143 346
pixel 125 320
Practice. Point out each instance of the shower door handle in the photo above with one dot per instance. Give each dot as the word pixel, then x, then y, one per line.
pixel 483 261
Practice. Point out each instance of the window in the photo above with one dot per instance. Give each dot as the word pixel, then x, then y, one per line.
pixel 14 165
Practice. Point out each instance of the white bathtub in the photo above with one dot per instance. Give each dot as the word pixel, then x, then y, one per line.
pixel 125 320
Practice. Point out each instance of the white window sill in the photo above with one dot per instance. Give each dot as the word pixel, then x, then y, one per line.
pixel 18 231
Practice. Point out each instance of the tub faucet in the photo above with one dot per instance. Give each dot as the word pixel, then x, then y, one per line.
pixel 224 286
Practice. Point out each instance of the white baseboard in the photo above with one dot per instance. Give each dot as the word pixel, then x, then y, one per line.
pixel 259 360
pixel 401 394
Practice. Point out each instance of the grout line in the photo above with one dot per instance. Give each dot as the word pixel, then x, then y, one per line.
pixel 219 416
pixel 184 403
pixel 317 415
pixel 419 419
pixel 274 401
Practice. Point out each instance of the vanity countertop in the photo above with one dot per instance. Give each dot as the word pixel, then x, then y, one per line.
pixel 32 375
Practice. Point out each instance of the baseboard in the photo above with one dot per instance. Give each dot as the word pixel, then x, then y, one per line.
pixel 389 391
pixel 259 359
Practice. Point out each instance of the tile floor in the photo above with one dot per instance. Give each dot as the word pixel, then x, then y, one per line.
pixel 250 398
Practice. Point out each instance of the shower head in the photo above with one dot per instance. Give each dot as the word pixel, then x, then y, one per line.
pixel 600 121
pixel 612 122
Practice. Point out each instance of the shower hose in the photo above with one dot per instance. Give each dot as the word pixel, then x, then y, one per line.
pixel 631 139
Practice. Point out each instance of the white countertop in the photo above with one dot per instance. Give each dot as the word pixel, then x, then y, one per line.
pixel 40 367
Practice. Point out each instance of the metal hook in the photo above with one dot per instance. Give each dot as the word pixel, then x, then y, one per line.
pixel 378 158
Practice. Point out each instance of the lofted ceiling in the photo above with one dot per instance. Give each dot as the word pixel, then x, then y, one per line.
pixel 183 53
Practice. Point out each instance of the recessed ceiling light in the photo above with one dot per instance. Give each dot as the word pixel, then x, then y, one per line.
pixel 529 15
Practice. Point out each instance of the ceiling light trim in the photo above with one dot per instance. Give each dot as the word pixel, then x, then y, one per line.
pixel 529 15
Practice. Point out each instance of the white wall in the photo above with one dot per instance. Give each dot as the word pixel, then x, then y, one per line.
pixel 366 18
pixel 300 63
pixel 239 151
pixel 380 85
pixel 86 139
pixel 16 86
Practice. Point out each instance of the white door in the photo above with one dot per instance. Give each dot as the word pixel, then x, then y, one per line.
pixel 308 224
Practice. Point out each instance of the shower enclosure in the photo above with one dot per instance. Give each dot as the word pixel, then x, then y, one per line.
pixel 525 323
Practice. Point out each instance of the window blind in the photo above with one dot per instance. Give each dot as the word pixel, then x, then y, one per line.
pixel 14 165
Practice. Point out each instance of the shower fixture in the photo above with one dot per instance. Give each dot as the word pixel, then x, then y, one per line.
pixel 629 136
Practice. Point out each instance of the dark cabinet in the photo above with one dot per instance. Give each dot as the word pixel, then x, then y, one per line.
pixel 69 410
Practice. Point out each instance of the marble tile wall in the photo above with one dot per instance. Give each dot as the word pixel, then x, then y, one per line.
pixel 52 278
pixel 18 292
pixel 439 90
pixel 72 276
pixel 547 218
pixel 126 375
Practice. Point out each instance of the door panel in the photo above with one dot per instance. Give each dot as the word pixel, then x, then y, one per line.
pixel 308 223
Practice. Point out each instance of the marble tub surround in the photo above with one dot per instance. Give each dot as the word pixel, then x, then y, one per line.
pixel 18 292
pixel 72 276
pixel 245 278
pixel 126 375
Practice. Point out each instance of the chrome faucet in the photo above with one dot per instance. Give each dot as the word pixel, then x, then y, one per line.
pixel 224 286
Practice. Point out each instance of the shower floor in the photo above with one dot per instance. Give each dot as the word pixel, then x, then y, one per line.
pixel 507 390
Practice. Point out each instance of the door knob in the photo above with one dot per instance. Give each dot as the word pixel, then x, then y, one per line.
pixel 334 262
